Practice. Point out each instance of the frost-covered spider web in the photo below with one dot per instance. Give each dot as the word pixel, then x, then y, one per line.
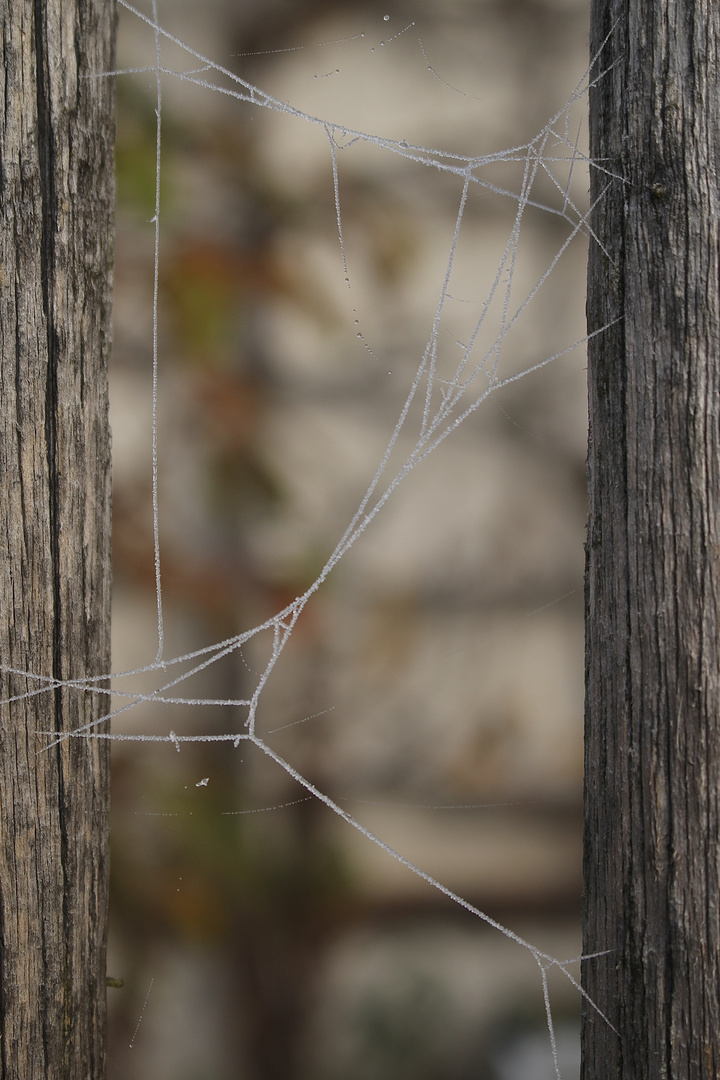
pixel 422 339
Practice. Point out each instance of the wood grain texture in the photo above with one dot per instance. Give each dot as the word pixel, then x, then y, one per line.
pixel 56 218
pixel 652 767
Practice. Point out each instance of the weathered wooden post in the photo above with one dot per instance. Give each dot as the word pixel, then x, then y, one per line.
pixel 652 787
pixel 56 249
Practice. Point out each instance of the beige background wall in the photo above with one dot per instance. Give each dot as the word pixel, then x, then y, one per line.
pixel 441 664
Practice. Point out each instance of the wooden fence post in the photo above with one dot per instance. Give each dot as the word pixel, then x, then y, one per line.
pixel 56 250
pixel 652 767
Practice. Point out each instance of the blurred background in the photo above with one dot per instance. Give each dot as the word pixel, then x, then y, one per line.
pixel 433 687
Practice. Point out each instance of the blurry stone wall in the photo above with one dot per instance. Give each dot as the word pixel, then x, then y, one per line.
pixel 433 687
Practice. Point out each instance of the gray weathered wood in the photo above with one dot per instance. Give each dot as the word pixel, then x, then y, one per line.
pixel 652 835
pixel 56 214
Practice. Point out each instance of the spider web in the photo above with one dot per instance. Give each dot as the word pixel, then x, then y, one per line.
pixel 470 355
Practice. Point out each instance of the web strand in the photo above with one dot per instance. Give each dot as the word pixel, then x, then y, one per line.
pixel 156 285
